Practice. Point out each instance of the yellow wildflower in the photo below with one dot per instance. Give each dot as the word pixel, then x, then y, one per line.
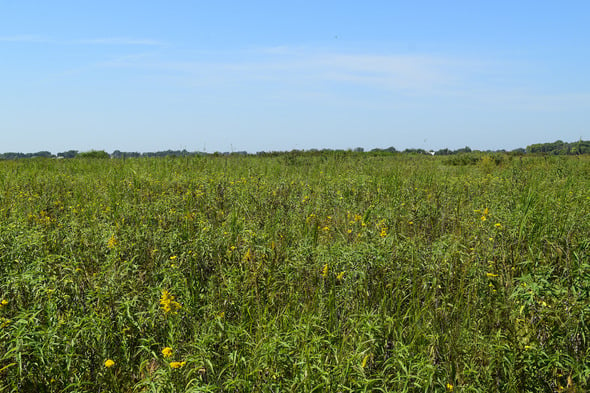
pixel 325 270
pixel 364 362
pixel 167 352
pixel 3 303
pixel 168 304
pixel 4 322
pixel 450 387
pixel 491 275
pixel 249 256
pixel 177 364
pixel 383 232
pixel 498 225
pixel 112 243
pixel 484 214
pixel 340 276
pixel 109 363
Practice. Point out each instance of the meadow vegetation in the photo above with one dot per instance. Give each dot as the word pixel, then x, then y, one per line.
pixel 333 272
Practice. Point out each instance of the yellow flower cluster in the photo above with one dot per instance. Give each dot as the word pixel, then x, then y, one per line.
pixel 484 214
pixel 112 243
pixel 167 352
pixel 109 363
pixel 4 322
pixel 364 362
pixel 168 304
pixel 324 272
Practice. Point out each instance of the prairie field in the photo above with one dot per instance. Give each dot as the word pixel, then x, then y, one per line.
pixel 333 272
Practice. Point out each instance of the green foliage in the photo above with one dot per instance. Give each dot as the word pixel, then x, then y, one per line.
pixel 560 148
pixel 463 159
pixel 303 272
pixel 93 154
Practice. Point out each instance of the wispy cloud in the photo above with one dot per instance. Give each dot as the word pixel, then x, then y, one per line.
pixel 388 72
pixel 121 41
pixel 26 39
pixel 285 66
pixel 359 78
pixel 38 39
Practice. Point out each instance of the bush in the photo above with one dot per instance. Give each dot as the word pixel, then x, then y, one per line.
pixel 94 154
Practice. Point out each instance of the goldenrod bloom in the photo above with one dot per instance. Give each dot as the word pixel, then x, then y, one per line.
pixel 167 352
pixel 177 364
pixel 109 363
pixel 364 362
pixel 168 304
pixel 4 322
pixel 112 243
pixel 484 214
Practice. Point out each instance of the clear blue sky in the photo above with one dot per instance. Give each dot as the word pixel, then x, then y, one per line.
pixel 270 75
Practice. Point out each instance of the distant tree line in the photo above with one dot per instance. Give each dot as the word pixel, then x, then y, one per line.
pixel 555 148
pixel 165 153
pixel 560 148
pixel 14 156
pixel 98 154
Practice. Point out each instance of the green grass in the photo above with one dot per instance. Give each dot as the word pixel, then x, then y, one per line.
pixel 341 272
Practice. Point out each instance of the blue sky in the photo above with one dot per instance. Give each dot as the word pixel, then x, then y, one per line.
pixel 267 75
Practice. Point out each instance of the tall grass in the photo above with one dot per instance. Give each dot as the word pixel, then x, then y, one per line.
pixel 295 273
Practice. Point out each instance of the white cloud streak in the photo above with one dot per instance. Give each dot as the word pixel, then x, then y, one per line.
pixel 385 72
pixel 121 41
pixel 33 39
